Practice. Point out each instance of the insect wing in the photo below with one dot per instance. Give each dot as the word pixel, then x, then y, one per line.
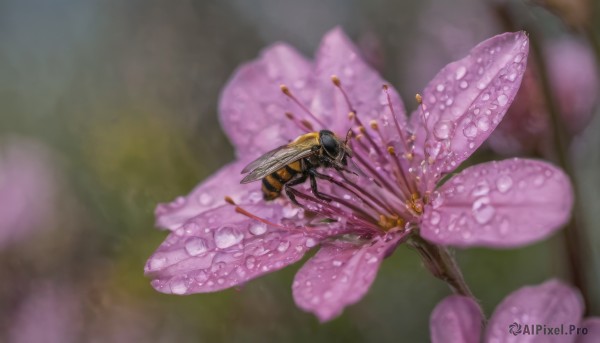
pixel 275 160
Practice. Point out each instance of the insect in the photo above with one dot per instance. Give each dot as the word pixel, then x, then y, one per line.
pixel 292 164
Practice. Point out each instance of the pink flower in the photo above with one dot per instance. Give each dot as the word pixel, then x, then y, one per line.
pixel 498 204
pixel 573 77
pixel 552 304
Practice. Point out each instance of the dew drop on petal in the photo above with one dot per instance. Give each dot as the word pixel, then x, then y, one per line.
pixel 482 188
pixel 470 131
pixel 195 246
pixel 157 262
pixel 440 87
pixel 258 229
pixel 205 199
pixel 502 99
pixel 483 211
pixel 485 97
pixel 227 236
pixel 336 263
pixel 310 243
pixel 435 218
pixel 460 72
pixel 539 180
pixel 463 84
pixel 442 129
pixel 250 262
pixel 504 183
pixel 483 124
pixel 283 246
pixel 178 286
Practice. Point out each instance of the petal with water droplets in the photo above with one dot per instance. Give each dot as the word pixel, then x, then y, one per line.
pixel 209 194
pixel 456 319
pixel 252 105
pixel 551 304
pixel 499 204
pixel 337 55
pixel 339 275
pixel 221 249
pixel 467 99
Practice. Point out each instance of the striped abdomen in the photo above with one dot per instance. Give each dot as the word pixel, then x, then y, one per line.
pixel 273 183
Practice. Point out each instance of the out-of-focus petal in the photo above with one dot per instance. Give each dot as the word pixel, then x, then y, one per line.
pixel 221 248
pixel 27 188
pixel 574 79
pixel 499 204
pixel 252 105
pixel 208 195
pixel 467 99
pixel 339 275
pixel 337 55
pixel 456 319
pixel 593 331
pixel 552 304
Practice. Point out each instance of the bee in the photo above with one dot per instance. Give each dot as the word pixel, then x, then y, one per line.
pixel 292 164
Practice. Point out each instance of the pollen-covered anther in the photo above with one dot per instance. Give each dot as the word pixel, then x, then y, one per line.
pixel 419 98
pixel 229 200
pixel 289 115
pixel 362 130
pixel 409 156
pixel 336 80
pixel 359 137
pixel 307 124
pixel 391 150
pixel 373 124
pixel 390 222
pixel 285 90
pixel 416 203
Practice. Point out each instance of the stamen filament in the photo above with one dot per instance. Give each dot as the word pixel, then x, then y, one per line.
pixel 301 124
pixel 244 212
pixel 289 94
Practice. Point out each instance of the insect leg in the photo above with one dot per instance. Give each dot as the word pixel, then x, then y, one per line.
pixel 288 190
pixel 313 183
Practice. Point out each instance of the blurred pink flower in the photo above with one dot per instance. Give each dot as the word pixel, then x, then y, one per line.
pixel 574 82
pixel 552 304
pixel 498 204
pixel 26 189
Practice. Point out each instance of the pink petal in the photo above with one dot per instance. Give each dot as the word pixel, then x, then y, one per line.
pixel 337 55
pixel 499 204
pixel 221 248
pixel 456 319
pixel 339 275
pixel 552 304
pixel 209 194
pixel 593 331
pixel 252 105
pixel 467 99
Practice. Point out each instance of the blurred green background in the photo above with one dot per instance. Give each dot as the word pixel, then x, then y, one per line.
pixel 122 96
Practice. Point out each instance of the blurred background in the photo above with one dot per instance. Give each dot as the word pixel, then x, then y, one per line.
pixel 108 108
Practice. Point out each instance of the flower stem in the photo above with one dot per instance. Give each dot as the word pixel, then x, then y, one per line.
pixel 441 264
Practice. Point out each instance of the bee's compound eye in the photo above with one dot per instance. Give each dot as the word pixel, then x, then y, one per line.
pixel 330 144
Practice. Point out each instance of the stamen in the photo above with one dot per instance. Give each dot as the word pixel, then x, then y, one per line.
pixel 336 81
pixel 303 125
pixel 398 128
pixel 244 212
pixel 289 94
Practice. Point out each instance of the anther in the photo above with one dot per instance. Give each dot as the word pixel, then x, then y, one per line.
pixel 374 125
pixel 229 200
pixel 419 98
pixel 289 115
pixel 391 150
pixel 242 211
pixel 336 80
pixel 362 129
pixel 352 115
pixel 285 90
pixel 307 124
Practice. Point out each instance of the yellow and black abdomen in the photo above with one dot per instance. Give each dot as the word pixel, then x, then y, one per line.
pixel 273 183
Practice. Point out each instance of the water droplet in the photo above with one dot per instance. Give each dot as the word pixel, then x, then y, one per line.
pixel 502 99
pixel 327 295
pixel 460 72
pixel 512 77
pixel 258 229
pixel 482 188
pixel 157 262
pixel 442 129
pixel 205 199
pixel 290 211
pixel 539 180
pixel 372 260
pixel 349 72
pixel 483 211
pixel 470 131
pixel 227 236
pixel 195 246
pixel 481 85
pixel 178 286
pixel 283 246
pixel 519 58
pixel 250 262
pixel 485 97
pixel 336 263
pixel 483 124
pixel 435 218
pixel 504 183
pixel 440 87
pixel 220 281
pixel 449 102
pixel 463 84
pixel 310 243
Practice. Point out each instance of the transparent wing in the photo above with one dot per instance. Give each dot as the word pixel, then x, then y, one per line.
pixel 275 160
